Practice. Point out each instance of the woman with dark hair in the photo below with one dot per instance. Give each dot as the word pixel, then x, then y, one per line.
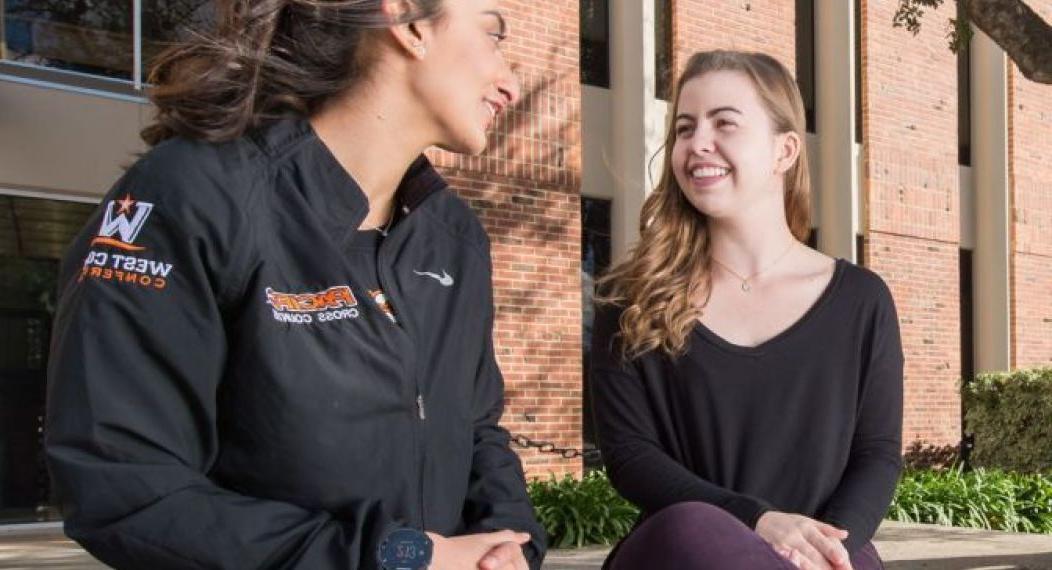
pixel 274 342
pixel 747 389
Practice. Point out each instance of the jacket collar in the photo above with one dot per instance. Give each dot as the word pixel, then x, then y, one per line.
pixel 294 149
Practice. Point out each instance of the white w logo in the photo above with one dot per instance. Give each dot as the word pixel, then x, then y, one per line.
pixel 120 224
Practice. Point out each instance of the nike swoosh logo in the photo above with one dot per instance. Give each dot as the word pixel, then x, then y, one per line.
pixel 445 280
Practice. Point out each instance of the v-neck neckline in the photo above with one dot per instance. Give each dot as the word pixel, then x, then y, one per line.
pixel 711 336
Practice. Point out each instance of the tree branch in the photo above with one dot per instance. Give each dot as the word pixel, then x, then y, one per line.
pixel 1025 37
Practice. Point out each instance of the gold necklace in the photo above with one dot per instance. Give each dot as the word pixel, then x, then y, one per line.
pixel 745 280
pixel 384 227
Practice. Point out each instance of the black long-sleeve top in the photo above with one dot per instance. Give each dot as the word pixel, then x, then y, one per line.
pixel 808 422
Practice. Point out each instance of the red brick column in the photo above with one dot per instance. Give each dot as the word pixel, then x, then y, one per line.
pixel 911 215
pixel 1030 183
pixel 526 189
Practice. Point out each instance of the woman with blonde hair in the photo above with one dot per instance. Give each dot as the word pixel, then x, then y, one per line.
pixel 747 389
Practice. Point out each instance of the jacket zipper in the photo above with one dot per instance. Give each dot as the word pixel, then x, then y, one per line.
pixel 421 413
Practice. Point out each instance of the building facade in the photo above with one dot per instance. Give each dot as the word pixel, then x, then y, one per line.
pixel 928 168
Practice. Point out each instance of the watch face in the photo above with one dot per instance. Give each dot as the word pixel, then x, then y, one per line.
pixel 406 549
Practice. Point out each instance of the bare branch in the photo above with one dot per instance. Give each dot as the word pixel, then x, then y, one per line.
pixel 1025 37
pixel 1011 24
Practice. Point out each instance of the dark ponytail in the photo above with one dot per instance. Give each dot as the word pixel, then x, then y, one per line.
pixel 266 59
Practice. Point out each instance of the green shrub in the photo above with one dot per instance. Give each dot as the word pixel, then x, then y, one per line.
pixel 588 511
pixel 1010 415
pixel 581 512
pixel 988 499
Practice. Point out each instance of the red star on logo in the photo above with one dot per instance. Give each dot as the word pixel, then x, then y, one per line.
pixel 126 204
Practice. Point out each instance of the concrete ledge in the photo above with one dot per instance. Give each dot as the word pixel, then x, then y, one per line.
pixel 42 546
pixel 913 546
pixel 902 546
pixel 906 547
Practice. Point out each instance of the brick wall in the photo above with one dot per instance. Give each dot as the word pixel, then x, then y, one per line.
pixel 526 190
pixel 1030 174
pixel 929 323
pixel 911 207
pixel 757 25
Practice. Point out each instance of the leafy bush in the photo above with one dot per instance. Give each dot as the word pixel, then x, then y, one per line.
pixel 588 511
pixel 581 512
pixel 1009 415
pixel 988 499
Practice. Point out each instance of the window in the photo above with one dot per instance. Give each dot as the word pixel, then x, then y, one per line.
pixel 858 71
pixel 595 42
pixel 805 57
pixel 34 234
pixel 165 21
pixel 663 50
pixel 967 342
pixel 91 38
pixel 97 45
pixel 595 259
pixel 967 320
pixel 964 102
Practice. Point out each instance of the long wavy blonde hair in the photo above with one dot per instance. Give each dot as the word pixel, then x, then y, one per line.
pixel 671 263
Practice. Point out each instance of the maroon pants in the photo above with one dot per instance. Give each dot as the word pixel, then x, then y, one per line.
pixel 700 536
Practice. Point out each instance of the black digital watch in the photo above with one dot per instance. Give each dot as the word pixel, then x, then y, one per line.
pixel 405 549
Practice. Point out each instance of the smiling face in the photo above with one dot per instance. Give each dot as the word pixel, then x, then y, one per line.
pixel 726 156
pixel 463 79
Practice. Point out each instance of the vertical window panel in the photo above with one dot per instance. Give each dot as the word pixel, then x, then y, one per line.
pixel 805 57
pixel 663 72
pixel 595 259
pixel 595 42
pixel 964 101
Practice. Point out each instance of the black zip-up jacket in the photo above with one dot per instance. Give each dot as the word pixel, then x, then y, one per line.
pixel 224 393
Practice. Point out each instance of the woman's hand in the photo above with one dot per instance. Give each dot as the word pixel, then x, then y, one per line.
pixel 807 543
pixel 507 556
pixel 472 551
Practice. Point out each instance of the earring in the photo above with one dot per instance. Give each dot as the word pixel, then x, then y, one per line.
pixel 420 48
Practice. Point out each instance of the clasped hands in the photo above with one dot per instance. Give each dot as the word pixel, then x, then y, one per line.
pixel 806 543
pixel 500 550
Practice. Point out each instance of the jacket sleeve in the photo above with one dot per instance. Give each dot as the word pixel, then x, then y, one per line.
pixel 867 485
pixel 497 498
pixel 138 352
pixel 638 466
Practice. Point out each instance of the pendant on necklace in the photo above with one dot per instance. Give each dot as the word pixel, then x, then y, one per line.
pixel 745 286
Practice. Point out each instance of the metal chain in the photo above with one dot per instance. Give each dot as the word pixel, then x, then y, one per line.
pixel 590 452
